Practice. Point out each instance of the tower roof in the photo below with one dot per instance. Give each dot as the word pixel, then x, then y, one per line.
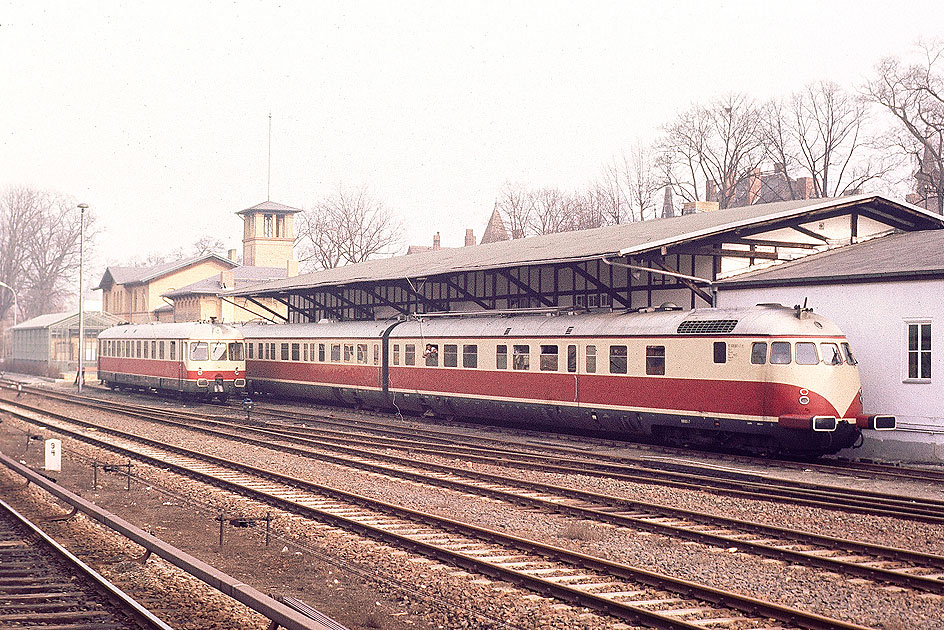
pixel 495 230
pixel 270 206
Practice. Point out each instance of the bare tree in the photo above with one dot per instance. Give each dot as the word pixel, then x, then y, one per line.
pixel 349 226
pixel 820 133
pixel 208 244
pixel 39 249
pixel 914 94
pixel 516 207
pixel 719 144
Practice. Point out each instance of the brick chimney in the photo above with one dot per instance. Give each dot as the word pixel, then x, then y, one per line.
pixel 469 237
pixel 691 207
pixel 231 254
pixel 228 279
pixel 436 242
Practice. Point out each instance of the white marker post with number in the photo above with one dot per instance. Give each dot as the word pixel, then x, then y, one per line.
pixel 54 455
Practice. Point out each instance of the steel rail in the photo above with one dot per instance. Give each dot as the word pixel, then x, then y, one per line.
pixel 128 607
pixel 626 610
pixel 236 589
pixel 750 485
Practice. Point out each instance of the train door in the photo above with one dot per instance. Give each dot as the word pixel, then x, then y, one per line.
pixel 573 368
pixel 181 364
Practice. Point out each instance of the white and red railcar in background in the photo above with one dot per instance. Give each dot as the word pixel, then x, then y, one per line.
pixel 197 358
pixel 766 378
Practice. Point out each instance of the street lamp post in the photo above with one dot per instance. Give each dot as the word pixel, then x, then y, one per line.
pixel 80 376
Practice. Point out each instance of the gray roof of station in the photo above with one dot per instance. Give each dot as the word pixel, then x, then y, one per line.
pixel 609 241
pixel 243 276
pixel 908 256
pixel 133 275
pixel 93 319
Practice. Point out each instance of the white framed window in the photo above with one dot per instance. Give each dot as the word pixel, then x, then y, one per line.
pixel 917 351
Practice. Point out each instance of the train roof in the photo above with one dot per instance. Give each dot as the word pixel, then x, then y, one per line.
pixel 761 320
pixel 174 330
pixel 326 330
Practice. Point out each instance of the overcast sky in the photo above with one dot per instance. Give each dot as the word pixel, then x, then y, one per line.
pixel 156 113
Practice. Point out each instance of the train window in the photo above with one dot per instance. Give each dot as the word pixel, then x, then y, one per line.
pixel 847 350
pixel 362 353
pixel 618 360
pixel 548 358
pixel 409 354
pixel 501 357
pixel 146 350
pixel 348 352
pixel 831 354
pixel 376 354
pixel 721 352
pixel 272 351
pixel 173 350
pixel 806 353
pixel 218 350
pixel 470 356
pixel 250 351
pixel 571 358
pixel 591 359
pixel 336 352
pixel 431 354
pixel 153 349
pixel 321 352
pixel 199 351
pixel 655 359
pixel 450 355
pixel 235 351
pixel 759 353
pixel 160 349
pixel 283 354
pixel 521 357
pixel 296 352
pixel 780 352
pixel 305 347
pixel 396 354
pixel 137 352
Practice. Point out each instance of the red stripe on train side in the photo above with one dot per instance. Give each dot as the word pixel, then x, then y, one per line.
pixel 342 375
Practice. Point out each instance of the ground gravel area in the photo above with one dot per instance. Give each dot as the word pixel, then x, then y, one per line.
pixel 366 584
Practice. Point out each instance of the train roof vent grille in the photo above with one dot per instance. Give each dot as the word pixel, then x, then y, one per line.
pixel 706 326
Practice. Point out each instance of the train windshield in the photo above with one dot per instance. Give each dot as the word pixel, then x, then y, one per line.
pixel 199 351
pixel 235 352
pixel 218 350
pixel 830 352
pixel 847 350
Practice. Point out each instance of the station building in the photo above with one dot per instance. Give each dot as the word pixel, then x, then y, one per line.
pixel 48 345
pixel 189 289
pixel 682 261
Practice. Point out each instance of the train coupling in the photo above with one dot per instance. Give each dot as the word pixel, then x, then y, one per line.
pixel 879 422
pixel 807 423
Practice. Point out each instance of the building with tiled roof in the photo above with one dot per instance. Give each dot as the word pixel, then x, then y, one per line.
pixel 134 293
pixel 201 300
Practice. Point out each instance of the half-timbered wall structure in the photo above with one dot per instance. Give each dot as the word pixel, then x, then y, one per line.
pixel 630 266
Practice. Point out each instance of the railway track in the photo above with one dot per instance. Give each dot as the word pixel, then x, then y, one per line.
pixel 42 585
pixel 616 589
pixel 680 474
pixel 878 563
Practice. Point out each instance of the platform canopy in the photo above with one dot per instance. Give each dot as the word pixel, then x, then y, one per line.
pixel 604 267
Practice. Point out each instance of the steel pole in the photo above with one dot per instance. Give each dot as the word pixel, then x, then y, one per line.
pixel 80 377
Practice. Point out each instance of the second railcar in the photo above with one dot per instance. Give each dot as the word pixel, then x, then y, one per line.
pixel 195 358
pixel 765 378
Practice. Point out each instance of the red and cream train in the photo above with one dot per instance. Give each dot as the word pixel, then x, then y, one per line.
pixel 203 359
pixel 765 378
